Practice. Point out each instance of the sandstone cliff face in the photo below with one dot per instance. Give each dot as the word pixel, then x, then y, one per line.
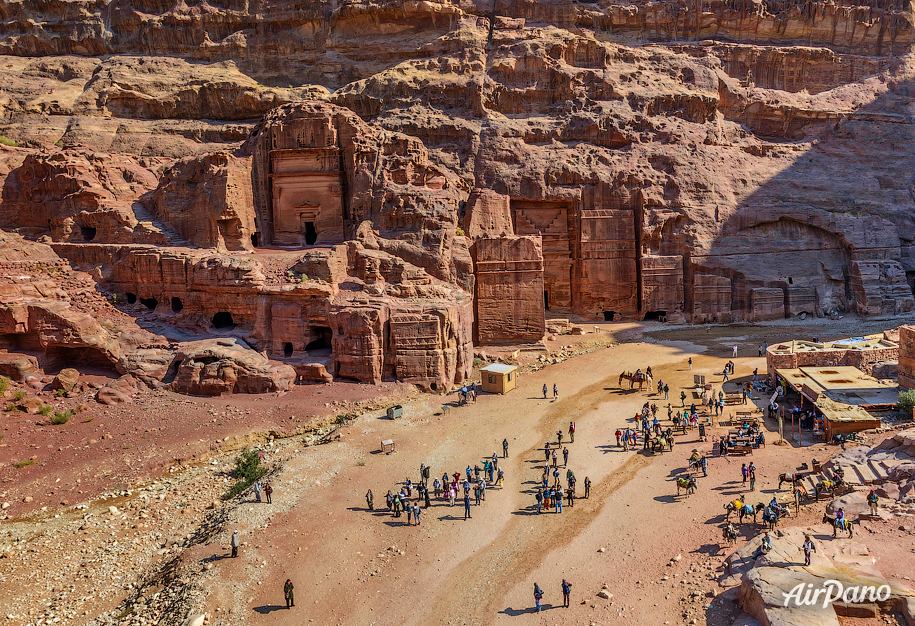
pixel 76 195
pixel 465 175
pixel 207 200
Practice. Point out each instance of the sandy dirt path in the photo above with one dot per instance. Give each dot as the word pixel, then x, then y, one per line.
pixel 463 567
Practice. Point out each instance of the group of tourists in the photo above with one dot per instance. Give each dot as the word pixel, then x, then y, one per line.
pixel 468 394
pixel 552 495
pixel 566 587
pixel 451 488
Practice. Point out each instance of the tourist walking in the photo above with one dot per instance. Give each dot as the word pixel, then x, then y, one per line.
pixel 466 505
pixel 808 548
pixel 268 490
pixel 619 434
pixel 751 472
pixel 560 494
pixel 370 500
pixel 587 487
pixel 409 514
pixel 416 512
pixel 555 392
pixel 505 448
pixel 735 351
pixel 745 472
pixel 690 363
pixel 257 490
pixel 287 593
pixel 538 596
pixel 683 398
pixel 571 432
pixel 566 591
pixel 544 391
pixel 565 457
pixel 666 392
pixel 539 498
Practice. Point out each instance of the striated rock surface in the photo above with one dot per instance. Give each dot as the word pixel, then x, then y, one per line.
pixel 215 367
pixel 207 200
pixel 372 186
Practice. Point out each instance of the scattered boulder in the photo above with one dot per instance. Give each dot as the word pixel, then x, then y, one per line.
pixel 855 504
pixel 31 405
pixel 18 366
pixel 889 491
pixel 34 382
pixel 117 391
pixel 312 372
pixel 67 379
pixel 901 472
pixel 214 367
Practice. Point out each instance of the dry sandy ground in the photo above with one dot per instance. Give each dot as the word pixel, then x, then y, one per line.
pixel 354 566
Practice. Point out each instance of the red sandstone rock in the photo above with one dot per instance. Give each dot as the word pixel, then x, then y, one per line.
pixel 17 366
pixel 208 201
pixel 214 367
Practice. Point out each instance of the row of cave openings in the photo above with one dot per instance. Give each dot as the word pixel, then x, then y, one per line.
pixel 222 320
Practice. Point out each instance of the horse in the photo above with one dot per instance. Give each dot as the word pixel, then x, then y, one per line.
pixel 835 528
pixel 789 478
pixel 632 378
pixel 729 534
pixel 747 510
pixel 687 484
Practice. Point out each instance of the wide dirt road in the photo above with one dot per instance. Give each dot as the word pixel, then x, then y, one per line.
pixel 354 566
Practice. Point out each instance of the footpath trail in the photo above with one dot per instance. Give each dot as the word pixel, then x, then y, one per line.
pixel 480 581
pixel 354 566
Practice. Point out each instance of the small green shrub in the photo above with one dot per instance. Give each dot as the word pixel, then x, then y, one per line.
pixel 4 383
pixel 6 141
pixel 459 232
pixel 906 401
pixel 61 393
pixel 45 409
pixel 247 470
pixel 117 298
pixel 477 361
pixel 10 408
pixel 19 395
pixel 61 417
pixel 25 463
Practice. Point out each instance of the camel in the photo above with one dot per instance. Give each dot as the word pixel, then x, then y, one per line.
pixel 632 378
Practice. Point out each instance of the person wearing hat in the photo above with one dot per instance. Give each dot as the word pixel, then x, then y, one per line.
pixel 872 501
pixel 235 543
pixel 566 591
pixel 808 548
